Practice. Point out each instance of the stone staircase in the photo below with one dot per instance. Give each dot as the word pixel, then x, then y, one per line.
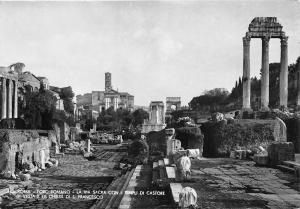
pixel 112 201
pixel 288 166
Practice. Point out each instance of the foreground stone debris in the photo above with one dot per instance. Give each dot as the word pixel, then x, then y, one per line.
pixel 74 176
pixel 227 183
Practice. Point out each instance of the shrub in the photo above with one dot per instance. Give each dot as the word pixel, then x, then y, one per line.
pixel 220 138
pixel 190 137
pixel 139 149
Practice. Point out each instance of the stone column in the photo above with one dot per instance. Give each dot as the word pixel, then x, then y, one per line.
pixel 16 100
pixel 298 86
pixel 4 99
pixel 157 114
pixel 163 114
pixel 246 73
pixel 284 72
pixel 9 99
pixel 265 74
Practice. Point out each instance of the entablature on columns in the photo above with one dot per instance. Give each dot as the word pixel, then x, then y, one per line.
pixel 9 76
pixel 265 27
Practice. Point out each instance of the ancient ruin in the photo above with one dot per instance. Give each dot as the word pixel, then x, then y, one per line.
pixel 9 94
pixel 172 103
pixel 265 28
pixel 156 120
pixel 19 147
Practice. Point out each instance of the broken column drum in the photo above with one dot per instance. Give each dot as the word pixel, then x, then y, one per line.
pixel 265 28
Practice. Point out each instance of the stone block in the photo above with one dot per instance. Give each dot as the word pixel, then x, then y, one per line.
pixel 171 172
pixel 280 151
pixel 176 188
pixel 161 163
pixel 261 160
pixel 166 161
pixel 232 154
pixel 240 154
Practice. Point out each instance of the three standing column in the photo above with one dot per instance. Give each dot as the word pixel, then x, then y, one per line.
pixel 246 73
pixel 284 72
pixel 265 74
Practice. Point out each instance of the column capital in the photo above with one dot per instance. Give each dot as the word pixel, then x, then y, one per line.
pixel 246 40
pixel 284 40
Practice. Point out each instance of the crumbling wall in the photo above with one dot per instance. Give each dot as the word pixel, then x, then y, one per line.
pixel 62 130
pixel 221 138
pixel 22 146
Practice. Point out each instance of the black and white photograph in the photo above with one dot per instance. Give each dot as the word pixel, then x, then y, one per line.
pixel 150 104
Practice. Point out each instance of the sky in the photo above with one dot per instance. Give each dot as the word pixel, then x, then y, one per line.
pixel 153 49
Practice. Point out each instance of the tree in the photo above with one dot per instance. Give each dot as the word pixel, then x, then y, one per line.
pixel 39 109
pixel 139 116
pixel 210 101
pixel 67 94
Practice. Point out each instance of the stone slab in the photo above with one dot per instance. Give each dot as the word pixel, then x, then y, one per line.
pixel 176 188
pixel 171 172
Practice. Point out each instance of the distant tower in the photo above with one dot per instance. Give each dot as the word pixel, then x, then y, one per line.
pixel 108 81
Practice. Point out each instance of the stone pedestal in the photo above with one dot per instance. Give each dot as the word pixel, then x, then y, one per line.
pixel 265 74
pixel 88 144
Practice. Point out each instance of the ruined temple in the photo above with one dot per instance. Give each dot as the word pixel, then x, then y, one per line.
pixel 265 28
pixel 156 120
pixel 18 147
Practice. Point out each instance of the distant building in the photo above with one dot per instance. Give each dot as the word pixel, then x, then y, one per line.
pixel 98 101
